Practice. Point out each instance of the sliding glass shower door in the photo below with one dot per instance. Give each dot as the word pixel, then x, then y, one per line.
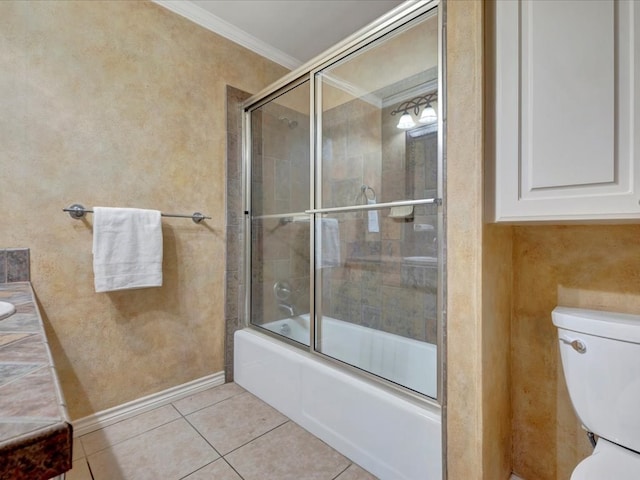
pixel 279 196
pixel 377 207
pixel 346 207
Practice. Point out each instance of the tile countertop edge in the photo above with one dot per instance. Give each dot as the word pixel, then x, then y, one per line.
pixel 46 451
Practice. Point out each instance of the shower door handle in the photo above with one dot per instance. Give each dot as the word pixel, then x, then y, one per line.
pixel 377 206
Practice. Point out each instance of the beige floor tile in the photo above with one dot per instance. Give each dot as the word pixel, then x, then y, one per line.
pixel 208 397
pixel 118 432
pixel 287 453
pixel 233 422
pixel 78 450
pixel 218 470
pixel 168 452
pixel 79 471
pixel 354 472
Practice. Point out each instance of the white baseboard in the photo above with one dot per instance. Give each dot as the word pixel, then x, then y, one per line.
pixel 118 413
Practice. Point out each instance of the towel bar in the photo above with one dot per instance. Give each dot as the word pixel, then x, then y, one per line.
pixel 78 211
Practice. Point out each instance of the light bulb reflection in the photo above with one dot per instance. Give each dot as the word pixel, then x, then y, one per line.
pixel 428 116
pixel 406 122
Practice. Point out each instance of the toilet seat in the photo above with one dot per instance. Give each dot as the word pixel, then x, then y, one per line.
pixel 608 461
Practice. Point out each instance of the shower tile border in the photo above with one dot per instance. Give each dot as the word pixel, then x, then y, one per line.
pixel 233 303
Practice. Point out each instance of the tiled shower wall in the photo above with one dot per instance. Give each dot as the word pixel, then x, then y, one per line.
pixel 280 176
pixel 14 265
pixel 282 249
pixel 362 146
pixel 234 281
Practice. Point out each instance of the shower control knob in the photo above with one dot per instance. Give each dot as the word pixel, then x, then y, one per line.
pixel 282 290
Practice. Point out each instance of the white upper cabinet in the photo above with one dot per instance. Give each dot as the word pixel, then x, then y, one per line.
pixel 563 110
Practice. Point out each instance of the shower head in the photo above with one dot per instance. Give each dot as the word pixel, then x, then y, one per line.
pixel 291 123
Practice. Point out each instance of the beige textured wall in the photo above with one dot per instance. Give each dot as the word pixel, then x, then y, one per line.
pixel 119 103
pixel 497 281
pixel 575 266
pixel 478 269
pixel 464 241
pixel 497 286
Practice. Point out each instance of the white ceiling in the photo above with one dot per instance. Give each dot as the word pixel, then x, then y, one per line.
pixel 290 32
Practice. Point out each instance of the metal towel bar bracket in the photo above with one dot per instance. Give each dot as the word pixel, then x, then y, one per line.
pixel 77 211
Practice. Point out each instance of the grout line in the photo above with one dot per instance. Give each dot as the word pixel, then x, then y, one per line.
pixel 287 419
pixel 111 445
pixel 220 459
pixel 184 417
pixel 37 366
pixel 203 437
pixel 175 408
pixel 199 468
pixel 212 404
pixel 345 469
pixel 261 435
pixel 110 416
pixel 89 467
pixel 232 468
pixel 180 417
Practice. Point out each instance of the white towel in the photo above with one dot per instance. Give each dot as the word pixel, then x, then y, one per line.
pixel 127 248
pixel 372 224
pixel 328 232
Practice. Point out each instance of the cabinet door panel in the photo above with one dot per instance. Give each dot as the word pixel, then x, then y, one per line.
pixel 567 114
pixel 567 123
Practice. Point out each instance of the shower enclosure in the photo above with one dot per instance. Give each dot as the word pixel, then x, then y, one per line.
pixel 345 210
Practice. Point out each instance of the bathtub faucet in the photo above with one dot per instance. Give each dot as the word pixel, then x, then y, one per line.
pixel 287 308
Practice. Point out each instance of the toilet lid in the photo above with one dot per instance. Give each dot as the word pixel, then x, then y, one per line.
pixel 609 461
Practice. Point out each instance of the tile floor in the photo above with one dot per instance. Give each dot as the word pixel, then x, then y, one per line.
pixel 224 433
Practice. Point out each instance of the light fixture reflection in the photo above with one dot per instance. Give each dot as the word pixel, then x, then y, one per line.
pixel 428 116
pixel 406 122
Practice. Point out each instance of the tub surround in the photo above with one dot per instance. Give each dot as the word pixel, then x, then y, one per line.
pixel 35 430
pixel 234 258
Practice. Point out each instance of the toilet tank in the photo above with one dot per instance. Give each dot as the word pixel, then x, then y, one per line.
pixel 604 379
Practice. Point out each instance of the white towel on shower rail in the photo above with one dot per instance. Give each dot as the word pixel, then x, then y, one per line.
pixel 328 233
pixel 372 217
pixel 127 248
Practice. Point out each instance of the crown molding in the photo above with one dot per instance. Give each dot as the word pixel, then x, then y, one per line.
pixel 208 20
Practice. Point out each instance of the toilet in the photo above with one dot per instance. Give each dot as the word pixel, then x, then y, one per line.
pixel 601 360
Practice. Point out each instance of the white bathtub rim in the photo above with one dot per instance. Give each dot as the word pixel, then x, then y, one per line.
pixel 381 354
pixel 372 382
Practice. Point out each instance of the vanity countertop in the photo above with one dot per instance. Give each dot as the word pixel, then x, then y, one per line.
pixel 35 432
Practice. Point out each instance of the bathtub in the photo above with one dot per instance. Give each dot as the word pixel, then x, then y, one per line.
pixel 405 361
pixel 392 436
